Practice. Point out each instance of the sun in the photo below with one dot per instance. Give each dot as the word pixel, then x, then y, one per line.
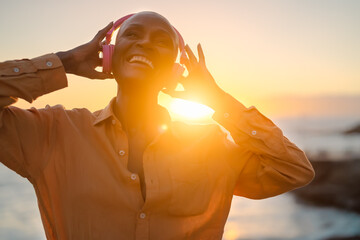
pixel 188 110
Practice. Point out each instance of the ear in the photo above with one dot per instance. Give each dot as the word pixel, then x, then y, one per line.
pixel 176 75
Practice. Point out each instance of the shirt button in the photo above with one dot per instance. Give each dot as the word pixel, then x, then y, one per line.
pixel 253 132
pixel 121 152
pixel 142 215
pixel 133 176
pixel 113 122
pixel 226 115
pixel 15 69
pixel 49 64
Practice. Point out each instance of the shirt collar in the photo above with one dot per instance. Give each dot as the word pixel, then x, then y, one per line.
pixel 108 112
pixel 175 129
pixel 105 113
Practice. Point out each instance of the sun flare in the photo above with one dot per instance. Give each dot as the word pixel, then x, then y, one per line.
pixel 189 110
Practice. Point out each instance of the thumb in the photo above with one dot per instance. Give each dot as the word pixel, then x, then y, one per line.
pixel 100 75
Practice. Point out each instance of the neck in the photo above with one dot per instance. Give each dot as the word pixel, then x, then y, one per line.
pixel 136 109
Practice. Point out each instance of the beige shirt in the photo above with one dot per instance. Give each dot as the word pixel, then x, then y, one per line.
pixel 77 162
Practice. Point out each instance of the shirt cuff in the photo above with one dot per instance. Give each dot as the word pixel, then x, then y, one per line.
pixel 51 71
pixel 245 124
pixel 31 78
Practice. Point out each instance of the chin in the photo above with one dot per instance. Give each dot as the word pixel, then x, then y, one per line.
pixel 138 78
pixel 138 82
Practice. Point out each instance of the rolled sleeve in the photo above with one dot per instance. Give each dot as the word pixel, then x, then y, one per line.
pixel 268 163
pixel 25 135
pixel 31 78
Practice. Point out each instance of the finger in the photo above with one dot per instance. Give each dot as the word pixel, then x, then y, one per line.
pixel 190 54
pixel 187 64
pixel 102 33
pixel 99 75
pixel 201 55
pixel 99 62
pixel 172 83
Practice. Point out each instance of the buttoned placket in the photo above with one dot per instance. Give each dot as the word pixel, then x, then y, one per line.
pixel 121 147
pixel 151 181
pixel 143 219
pixel 121 142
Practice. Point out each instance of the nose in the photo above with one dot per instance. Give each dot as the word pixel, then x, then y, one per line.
pixel 145 42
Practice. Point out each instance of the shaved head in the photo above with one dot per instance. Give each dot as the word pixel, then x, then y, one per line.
pixel 149 15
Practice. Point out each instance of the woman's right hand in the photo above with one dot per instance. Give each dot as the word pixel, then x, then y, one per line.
pixel 83 60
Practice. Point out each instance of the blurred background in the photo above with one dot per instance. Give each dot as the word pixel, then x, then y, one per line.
pixel 297 61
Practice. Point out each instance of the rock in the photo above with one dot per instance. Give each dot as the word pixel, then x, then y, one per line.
pixel 336 184
pixel 345 238
pixel 355 129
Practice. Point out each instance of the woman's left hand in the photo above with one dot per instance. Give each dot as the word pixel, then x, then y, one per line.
pixel 199 85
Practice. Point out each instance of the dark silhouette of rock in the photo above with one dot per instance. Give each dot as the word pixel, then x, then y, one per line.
pixel 336 184
pixel 345 238
pixel 355 129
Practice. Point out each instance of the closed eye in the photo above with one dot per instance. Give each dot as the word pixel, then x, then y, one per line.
pixel 164 42
pixel 132 34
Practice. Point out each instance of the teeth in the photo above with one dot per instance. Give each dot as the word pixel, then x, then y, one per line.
pixel 142 60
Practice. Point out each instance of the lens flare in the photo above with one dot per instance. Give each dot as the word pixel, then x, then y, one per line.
pixel 190 110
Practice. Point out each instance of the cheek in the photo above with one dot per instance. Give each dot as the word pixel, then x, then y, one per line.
pixel 116 60
pixel 120 48
pixel 167 58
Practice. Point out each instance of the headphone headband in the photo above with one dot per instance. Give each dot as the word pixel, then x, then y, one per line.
pixel 118 23
pixel 115 26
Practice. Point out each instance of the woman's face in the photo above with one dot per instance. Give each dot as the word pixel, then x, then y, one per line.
pixel 145 51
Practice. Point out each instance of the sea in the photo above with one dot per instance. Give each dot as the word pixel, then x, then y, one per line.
pixel 280 217
pixel 323 138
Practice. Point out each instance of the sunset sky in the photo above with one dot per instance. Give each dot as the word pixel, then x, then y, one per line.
pixel 292 59
pixel 258 51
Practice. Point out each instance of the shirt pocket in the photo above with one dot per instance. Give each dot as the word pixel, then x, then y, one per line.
pixel 191 190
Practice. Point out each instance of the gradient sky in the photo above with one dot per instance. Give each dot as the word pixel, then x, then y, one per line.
pixel 254 49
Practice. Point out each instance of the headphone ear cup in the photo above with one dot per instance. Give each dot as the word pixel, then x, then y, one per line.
pixel 107 51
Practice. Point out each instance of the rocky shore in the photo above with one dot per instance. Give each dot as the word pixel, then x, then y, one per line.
pixel 336 184
pixel 353 130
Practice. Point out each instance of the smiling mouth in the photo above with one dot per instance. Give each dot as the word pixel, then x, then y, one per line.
pixel 141 60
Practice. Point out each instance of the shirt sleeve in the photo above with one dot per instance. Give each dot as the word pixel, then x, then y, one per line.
pixel 266 162
pixel 25 135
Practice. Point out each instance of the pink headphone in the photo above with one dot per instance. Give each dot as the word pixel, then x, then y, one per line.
pixel 108 49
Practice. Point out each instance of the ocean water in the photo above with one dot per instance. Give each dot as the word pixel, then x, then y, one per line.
pixel 19 215
pixel 279 217
pixel 323 137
